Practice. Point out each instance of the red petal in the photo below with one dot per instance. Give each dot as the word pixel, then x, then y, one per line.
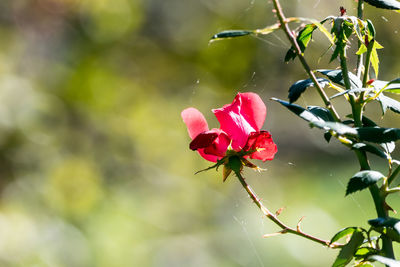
pixel 263 142
pixel 220 144
pixel 203 140
pixel 195 122
pixel 211 145
pixel 208 157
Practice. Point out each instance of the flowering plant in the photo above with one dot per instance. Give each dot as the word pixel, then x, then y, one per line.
pixel 240 137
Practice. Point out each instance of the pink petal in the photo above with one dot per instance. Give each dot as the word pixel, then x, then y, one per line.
pixel 261 140
pixel 253 109
pixel 235 122
pixel 195 122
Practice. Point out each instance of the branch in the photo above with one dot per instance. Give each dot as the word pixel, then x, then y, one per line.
pixel 285 27
pixel 274 218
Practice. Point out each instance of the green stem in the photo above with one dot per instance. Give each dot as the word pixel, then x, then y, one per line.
pixel 360 10
pixel 379 201
pixel 285 27
pixel 274 218
pixel 367 63
pixel 355 106
pixel 393 175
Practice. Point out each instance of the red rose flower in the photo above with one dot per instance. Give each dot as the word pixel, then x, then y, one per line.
pixel 240 130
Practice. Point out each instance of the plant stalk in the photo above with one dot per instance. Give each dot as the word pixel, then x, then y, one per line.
pixel 360 11
pixel 379 201
pixel 274 218
pixel 285 27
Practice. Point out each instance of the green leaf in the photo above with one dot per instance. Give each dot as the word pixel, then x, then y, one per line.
pixel 337 77
pixel 342 233
pixel 378 134
pixel 351 91
pixel 327 136
pixel 290 55
pixel 384 4
pixel 392 227
pixel 300 86
pixel 364 252
pixel 386 222
pixel 347 252
pixel 393 86
pixel 362 49
pixel 337 127
pixel 388 103
pixel 299 111
pixel 321 112
pixel 340 46
pixel 374 57
pixel 362 180
pixel 370 148
pixel 387 261
pixel 303 39
pixel 230 34
pixel 371 28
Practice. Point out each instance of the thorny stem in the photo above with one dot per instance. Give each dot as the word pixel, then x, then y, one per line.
pixel 355 106
pixel 360 9
pixel 285 27
pixel 379 201
pixel 393 175
pixel 366 68
pixel 274 218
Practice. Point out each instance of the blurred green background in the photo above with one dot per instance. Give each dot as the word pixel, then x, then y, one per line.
pixel 95 168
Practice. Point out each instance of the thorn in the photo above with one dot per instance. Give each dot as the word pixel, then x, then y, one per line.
pixel 279 211
pixel 284 231
pixel 299 223
pixel 387 207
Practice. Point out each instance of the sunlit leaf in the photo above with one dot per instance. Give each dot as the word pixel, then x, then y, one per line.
pixel 350 91
pixel 337 77
pixel 387 261
pixel 346 254
pixel 370 148
pixel 342 233
pixel 364 252
pixel 385 4
pixel 299 111
pixel 393 86
pixel 375 58
pixel 388 103
pixel 300 86
pixel 337 127
pixel 362 180
pixel 302 39
pixel 321 112
pixel 363 49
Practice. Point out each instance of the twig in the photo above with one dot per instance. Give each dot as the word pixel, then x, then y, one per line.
pixel 293 41
pixel 274 218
